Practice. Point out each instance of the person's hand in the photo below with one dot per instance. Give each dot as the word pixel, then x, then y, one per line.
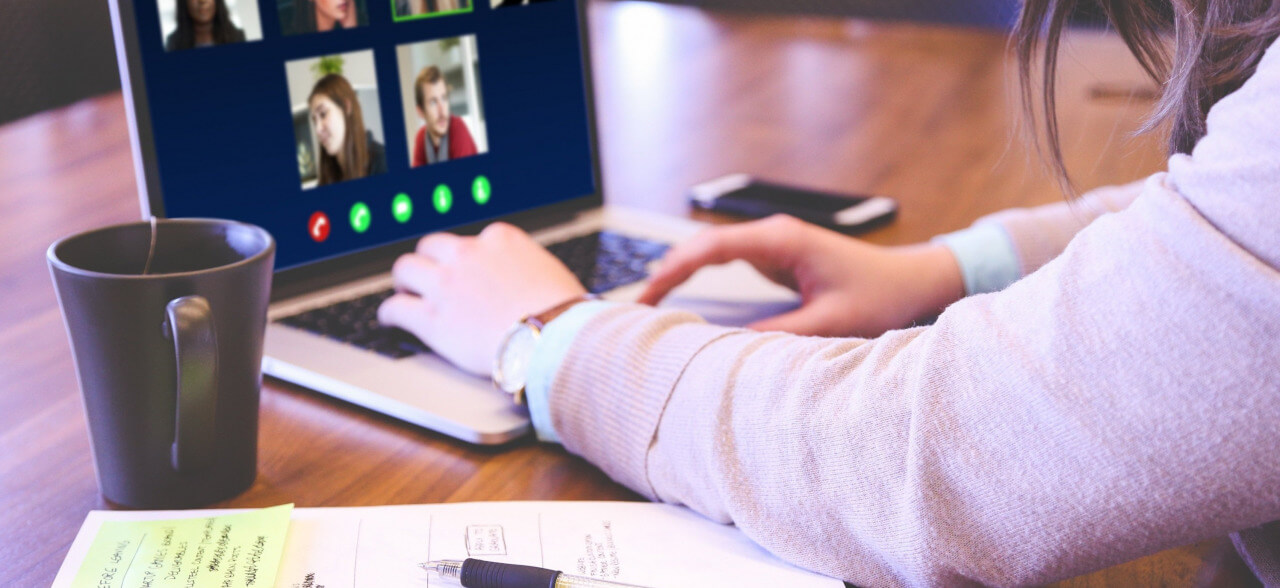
pixel 461 294
pixel 848 287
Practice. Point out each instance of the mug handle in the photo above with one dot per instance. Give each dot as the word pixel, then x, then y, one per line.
pixel 189 323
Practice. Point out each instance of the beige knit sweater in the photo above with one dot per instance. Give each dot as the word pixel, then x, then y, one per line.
pixel 1119 400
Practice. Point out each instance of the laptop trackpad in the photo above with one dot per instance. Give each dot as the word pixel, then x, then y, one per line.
pixel 733 294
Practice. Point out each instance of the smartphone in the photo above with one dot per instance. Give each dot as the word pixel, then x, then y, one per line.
pixel 743 195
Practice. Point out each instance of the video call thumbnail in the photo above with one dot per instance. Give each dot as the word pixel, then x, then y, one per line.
pixel 410 9
pixel 440 90
pixel 337 120
pixel 510 3
pixel 298 17
pixel 187 24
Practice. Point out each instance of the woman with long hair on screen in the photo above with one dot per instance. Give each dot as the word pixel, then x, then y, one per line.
pixel 202 23
pixel 1104 382
pixel 312 16
pixel 347 150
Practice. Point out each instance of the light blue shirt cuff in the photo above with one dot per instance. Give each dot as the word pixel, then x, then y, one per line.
pixel 988 261
pixel 552 346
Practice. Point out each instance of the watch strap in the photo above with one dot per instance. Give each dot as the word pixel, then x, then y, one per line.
pixel 541 319
pixel 535 322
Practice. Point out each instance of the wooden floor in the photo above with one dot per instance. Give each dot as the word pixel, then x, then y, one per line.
pixel 921 113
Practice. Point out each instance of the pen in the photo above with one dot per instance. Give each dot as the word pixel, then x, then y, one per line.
pixel 475 573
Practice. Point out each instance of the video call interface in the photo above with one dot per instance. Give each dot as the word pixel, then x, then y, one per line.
pixel 341 125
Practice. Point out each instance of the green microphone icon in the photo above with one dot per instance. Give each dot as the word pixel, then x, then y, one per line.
pixel 442 199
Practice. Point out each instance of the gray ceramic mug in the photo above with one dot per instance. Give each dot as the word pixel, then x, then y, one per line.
pixel 169 359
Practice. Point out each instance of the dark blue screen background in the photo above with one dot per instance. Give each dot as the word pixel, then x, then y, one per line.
pixel 224 135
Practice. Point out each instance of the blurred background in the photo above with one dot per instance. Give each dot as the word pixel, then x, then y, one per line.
pixel 54 52
pixel 59 51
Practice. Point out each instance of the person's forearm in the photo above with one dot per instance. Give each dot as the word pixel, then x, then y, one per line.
pixel 985 257
pixel 1041 233
pixel 1118 401
pixel 1028 436
pixel 999 249
pixel 940 280
pixel 553 344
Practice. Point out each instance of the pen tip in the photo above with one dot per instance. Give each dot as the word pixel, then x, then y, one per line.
pixel 444 567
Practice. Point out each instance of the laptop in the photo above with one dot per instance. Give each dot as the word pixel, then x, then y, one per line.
pixel 349 129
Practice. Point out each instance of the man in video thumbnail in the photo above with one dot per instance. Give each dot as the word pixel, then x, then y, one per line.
pixel 443 137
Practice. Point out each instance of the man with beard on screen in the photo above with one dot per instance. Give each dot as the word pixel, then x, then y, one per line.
pixel 443 137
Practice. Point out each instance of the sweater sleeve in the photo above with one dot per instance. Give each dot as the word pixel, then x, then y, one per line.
pixel 553 344
pixel 1118 401
pixel 1041 233
pixel 989 256
pixel 987 259
pixel 1114 404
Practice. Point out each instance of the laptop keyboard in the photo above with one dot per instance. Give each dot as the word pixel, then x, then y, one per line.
pixel 355 321
pixel 602 261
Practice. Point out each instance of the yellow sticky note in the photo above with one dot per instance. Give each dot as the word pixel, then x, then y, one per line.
pixel 231 551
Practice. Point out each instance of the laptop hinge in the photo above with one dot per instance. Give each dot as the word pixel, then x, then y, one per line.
pixel 536 221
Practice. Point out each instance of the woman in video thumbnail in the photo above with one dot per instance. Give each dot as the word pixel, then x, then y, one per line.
pixel 202 23
pixel 310 16
pixel 347 150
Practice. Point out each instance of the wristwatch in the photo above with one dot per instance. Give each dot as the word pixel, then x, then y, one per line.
pixel 511 366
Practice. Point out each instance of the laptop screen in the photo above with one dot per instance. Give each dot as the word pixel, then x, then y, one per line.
pixel 342 125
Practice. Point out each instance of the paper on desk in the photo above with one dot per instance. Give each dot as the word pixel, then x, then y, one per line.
pixel 639 543
pixel 239 550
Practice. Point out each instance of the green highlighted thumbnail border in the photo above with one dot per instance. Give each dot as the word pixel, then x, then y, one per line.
pixel 395 16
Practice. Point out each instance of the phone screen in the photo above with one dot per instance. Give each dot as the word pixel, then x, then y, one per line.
pixel 742 195
pixel 769 198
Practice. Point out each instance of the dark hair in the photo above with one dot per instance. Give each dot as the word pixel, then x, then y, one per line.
pixel 355 146
pixel 1216 47
pixel 184 37
pixel 428 75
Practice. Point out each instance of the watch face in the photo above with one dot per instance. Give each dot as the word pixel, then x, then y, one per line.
pixel 513 363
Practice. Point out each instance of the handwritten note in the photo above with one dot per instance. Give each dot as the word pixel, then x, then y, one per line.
pixel 632 542
pixel 239 550
pixel 637 543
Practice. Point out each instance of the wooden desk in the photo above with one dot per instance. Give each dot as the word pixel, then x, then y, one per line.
pixel 916 112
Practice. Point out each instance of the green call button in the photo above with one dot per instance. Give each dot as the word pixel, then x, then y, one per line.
pixel 360 217
pixel 442 199
pixel 481 190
